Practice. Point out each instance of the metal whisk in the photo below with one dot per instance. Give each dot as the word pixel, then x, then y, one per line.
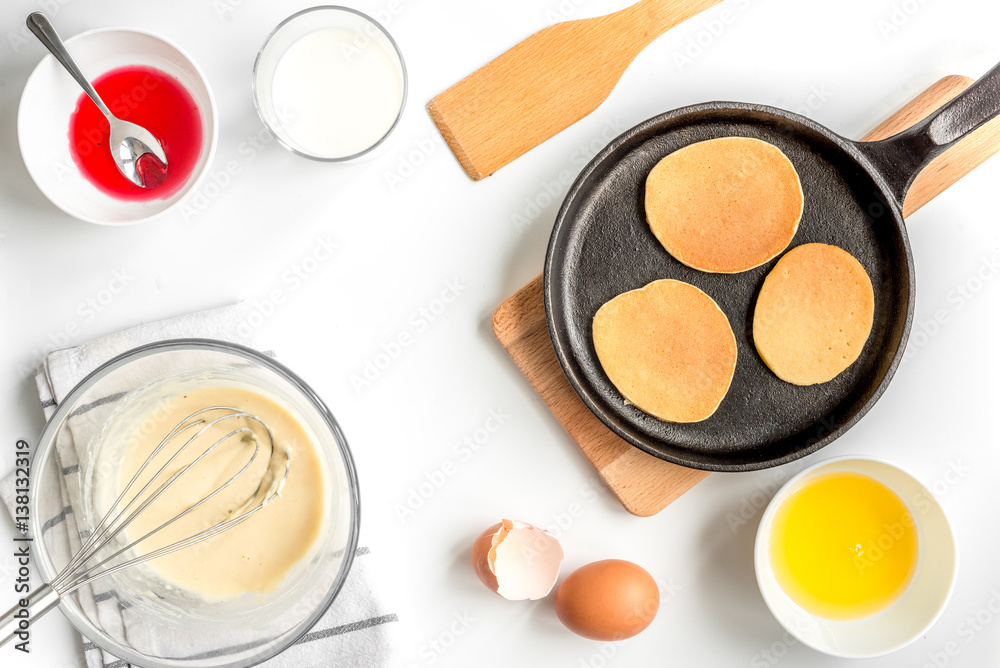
pixel 80 571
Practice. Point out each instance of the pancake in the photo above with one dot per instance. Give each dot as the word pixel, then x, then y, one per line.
pixel 814 314
pixel 724 205
pixel 668 348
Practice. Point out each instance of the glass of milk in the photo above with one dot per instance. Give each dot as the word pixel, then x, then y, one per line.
pixel 330 84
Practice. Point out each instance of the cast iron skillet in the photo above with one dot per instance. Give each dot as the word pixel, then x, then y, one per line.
pixel 601 246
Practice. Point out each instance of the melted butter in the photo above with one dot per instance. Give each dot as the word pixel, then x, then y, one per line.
pixel 256 555
pixel 843 546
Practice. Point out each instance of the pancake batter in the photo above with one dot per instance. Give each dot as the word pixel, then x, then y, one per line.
pixel 256 555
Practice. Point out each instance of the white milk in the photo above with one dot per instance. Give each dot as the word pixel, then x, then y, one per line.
pixel 337 92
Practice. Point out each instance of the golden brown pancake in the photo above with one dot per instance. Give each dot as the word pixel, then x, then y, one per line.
pixel 814 314
pixel 668 348
pixel 724 205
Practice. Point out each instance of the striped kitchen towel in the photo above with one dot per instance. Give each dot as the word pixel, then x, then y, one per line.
pixel 357 630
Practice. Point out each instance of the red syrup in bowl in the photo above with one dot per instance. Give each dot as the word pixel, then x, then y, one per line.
pixel 150 98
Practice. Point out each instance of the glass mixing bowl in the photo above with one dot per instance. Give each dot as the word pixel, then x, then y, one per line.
pixel 155 625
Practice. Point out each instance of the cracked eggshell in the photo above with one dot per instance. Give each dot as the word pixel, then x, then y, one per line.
pixel 517 560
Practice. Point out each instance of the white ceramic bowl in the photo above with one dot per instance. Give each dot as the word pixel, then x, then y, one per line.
pixel 910 616
pixel 50 97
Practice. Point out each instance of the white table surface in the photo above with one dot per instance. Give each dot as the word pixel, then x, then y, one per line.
pixel 848 64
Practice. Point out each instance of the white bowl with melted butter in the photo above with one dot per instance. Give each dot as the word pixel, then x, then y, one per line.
pixel 873 519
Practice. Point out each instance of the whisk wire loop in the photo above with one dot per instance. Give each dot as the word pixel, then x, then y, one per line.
pixel 77 573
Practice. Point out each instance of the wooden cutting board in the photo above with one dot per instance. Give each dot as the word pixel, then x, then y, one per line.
pixel 644 484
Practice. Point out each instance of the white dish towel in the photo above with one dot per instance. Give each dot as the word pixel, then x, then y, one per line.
pixel 357 630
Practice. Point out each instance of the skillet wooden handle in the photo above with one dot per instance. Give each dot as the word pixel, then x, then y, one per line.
pixel 954 163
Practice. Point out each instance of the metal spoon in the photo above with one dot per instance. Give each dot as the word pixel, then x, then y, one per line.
pixel 136 151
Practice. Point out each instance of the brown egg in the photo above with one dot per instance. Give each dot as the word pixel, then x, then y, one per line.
pixel 608 600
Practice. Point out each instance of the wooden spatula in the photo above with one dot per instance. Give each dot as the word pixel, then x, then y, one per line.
pixel 547 82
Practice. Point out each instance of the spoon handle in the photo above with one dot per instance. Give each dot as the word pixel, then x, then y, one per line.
pixel 39 24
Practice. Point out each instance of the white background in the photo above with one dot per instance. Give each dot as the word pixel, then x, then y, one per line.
pixel 854 61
